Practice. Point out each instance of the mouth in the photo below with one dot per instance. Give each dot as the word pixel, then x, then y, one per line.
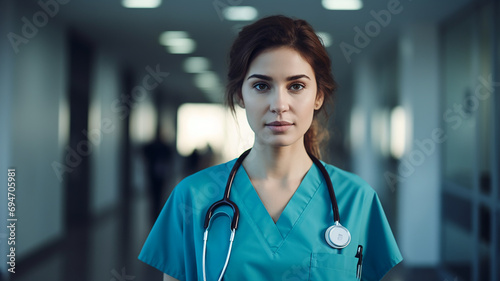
pixel 279 127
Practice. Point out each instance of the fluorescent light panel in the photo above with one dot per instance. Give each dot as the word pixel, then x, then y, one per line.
pixel 398 132
pixel 177 42
pixel 342 4
pixel 141 3
pixel 182 46
pixel 240 13
pixel 196 64
pixel 168 37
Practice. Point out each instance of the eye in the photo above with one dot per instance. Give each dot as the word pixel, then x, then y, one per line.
pixel 297 87
pixel 260 86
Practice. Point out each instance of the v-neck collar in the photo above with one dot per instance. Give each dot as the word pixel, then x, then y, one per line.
pixel 251 206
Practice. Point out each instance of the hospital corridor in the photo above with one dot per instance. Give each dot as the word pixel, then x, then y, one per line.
pixel 106 106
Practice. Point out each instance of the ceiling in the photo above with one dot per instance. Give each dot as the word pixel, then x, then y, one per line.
pixel 132 34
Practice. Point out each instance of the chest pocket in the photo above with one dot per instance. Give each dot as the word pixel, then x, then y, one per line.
pixel 328 266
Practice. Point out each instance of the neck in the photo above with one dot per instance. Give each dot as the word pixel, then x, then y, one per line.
pixel 269 162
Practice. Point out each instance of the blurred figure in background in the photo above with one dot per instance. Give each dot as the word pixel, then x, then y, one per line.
pixel 198 160
pixel 158 158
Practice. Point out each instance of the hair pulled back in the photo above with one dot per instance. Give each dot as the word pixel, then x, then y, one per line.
pixel 280 31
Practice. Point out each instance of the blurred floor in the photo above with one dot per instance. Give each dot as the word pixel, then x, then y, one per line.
pixel 108 248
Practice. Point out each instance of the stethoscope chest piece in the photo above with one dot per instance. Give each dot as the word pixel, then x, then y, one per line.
pixel 337 236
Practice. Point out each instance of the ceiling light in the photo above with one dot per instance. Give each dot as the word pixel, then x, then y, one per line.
pixel 182 46
pixel 177 42
pixel 240 13
pixel 325 38
pixel 141 3
pixel 167 37
pixel 196 64
pixel 342 4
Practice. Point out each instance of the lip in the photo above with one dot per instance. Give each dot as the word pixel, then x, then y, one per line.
pixel 279 123
pixel 279 126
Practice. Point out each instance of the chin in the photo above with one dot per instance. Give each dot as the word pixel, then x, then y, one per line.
pixel 280 141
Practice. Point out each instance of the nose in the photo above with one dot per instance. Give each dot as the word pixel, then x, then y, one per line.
pixel 279 101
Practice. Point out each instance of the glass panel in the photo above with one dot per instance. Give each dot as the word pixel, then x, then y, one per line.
pixel 457 236
pixel 483 94
pixel 458 150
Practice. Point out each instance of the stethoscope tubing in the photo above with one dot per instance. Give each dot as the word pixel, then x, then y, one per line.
pixel 225 201
pixel 227 192
pixel 331 192
pixel 223 271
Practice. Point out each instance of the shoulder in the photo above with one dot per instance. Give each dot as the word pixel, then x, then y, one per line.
pixel 347 180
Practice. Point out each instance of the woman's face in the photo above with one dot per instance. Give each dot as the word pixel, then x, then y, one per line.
pixel 279 94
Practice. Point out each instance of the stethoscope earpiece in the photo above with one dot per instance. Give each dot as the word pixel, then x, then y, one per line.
pixel 337 236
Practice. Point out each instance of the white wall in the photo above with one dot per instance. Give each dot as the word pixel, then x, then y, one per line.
pixel 366 131
pixel 365 103
pixel 34 127
pixel 105 128
pixel 419 187
pixel 39 84
pixel 418 174
pixel 6 93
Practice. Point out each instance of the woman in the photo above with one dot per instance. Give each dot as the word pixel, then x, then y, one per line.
pixel 280 73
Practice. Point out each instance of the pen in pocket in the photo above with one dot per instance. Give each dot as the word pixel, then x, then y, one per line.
pixel 359 255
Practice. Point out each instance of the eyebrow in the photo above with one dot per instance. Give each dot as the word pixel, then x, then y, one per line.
pixel 268 78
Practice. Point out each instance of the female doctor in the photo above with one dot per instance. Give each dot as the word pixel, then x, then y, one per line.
pixel 279 219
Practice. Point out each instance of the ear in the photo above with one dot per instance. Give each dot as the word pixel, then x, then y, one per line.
pixel 319 100
pixel 239 100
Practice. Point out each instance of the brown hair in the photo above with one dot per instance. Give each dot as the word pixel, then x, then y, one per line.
pixel 281 31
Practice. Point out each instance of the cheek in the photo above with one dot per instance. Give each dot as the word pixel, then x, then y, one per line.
pixel 250 110
pixel 245 97
pixel 308 105
pixel 253 111
pixel 308 115
pixel 307 111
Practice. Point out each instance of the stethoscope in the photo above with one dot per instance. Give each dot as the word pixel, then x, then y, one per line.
pixel 337 236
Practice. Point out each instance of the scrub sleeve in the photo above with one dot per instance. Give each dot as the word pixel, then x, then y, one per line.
pixel 380 252
pixel 165 248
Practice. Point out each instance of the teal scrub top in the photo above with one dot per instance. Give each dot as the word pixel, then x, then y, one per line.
pixel 292 249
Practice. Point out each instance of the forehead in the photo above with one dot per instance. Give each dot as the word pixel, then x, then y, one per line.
pixel 280 63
